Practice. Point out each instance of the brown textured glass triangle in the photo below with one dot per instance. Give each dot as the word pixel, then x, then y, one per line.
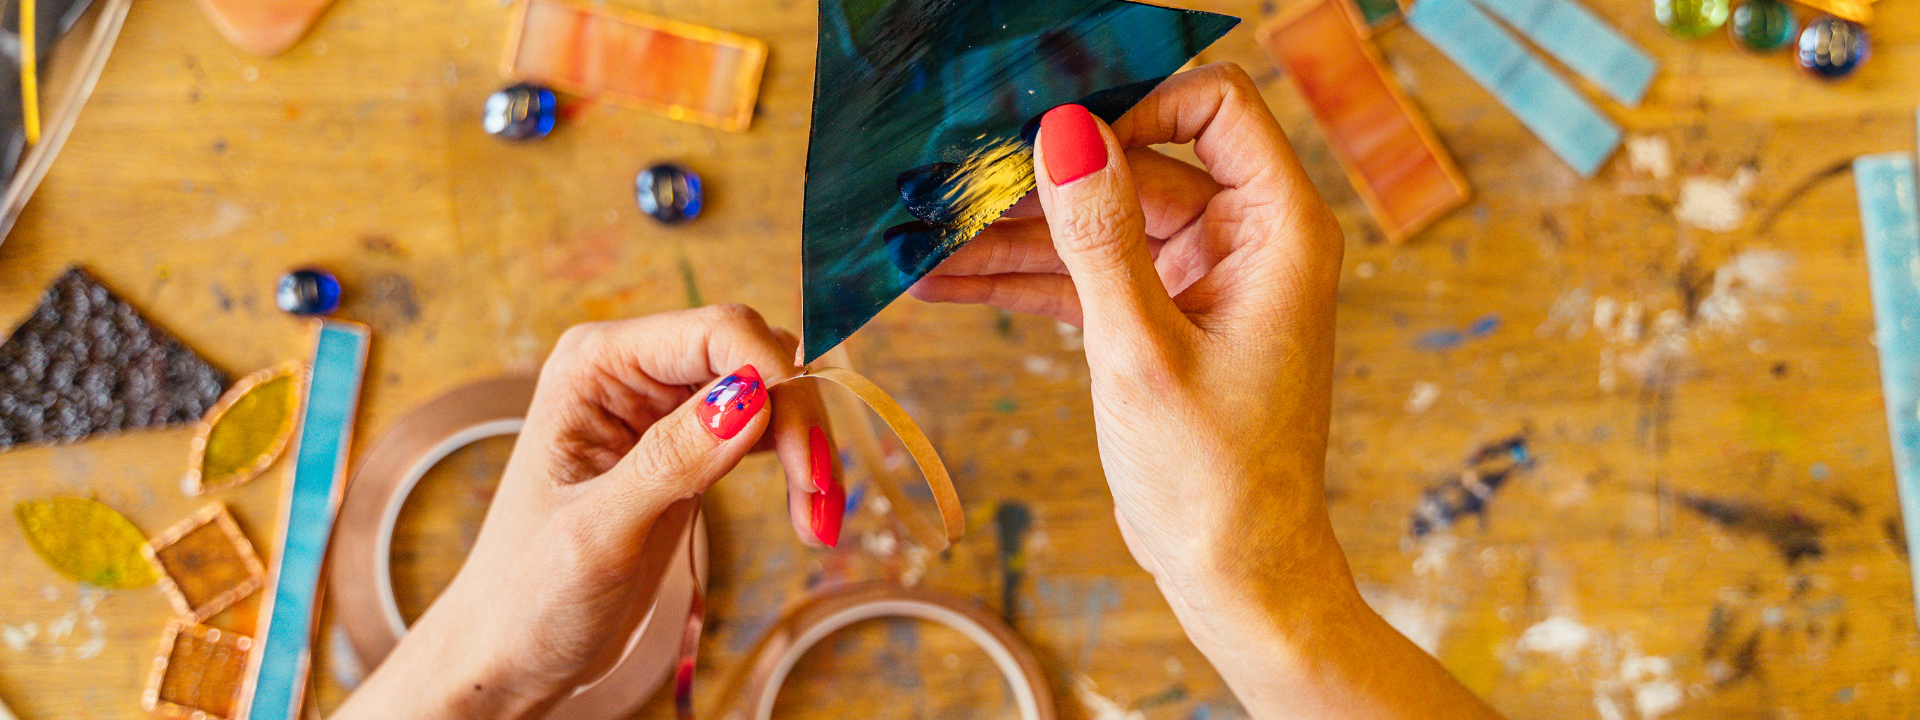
pixel 87 362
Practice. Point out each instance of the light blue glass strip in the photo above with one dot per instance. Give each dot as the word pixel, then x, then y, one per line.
pixel 1546 104
pixel 1583 42
pixel 1891 224
pixel 319 472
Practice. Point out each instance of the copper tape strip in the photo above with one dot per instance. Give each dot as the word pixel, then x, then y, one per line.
pixel 362 581
pixel 689 650
pixel 750 693
pixel 952 522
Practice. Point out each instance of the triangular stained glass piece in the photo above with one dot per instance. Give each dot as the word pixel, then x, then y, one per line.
pixel 923 120
pixel 86 362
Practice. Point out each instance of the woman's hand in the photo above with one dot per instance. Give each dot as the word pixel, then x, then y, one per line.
pixel 1207 299
pixel 628 426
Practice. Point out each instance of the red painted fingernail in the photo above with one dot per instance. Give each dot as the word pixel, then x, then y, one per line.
pixel 730 404
pixel 1075 148
pixel 827 507
pixel 821 456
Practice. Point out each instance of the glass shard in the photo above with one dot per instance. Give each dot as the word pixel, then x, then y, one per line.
pixel 209 563
pixel 924 114
pixel 198 673
pixel 1383 142
pixel 680 70
pixel 86 362
pixel 246 431
pixel 86 541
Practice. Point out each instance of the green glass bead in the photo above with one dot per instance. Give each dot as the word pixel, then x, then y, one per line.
pixel 1763 25
pixel 1691 18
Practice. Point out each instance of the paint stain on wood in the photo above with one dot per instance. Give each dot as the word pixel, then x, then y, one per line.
pixel 388 302
pixel 1467 495
pixel 1790 533
pixel 1013 521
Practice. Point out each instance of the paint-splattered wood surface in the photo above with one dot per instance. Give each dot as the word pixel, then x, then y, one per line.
pixel 1702 526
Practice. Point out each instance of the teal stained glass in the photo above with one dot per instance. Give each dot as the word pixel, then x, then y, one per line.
pixel 1764 25
pixel 1377 12
pixel 923 120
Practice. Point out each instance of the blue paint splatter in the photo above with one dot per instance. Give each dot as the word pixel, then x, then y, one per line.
pixel 898 660
pixel 853 498
pixel 1441 340
pixel 1450 338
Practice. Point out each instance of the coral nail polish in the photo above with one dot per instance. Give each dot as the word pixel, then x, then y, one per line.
pixel 828 505
pixel 829 509
pixel 1074 146
pixel 820 455
pixel 730 404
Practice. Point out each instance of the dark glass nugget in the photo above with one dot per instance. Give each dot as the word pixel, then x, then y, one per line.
pixel 669 193
pixel 1832 48
pixel 521 112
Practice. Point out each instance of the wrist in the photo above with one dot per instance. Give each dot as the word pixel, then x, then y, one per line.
pixel 1286 589
pixel 439 672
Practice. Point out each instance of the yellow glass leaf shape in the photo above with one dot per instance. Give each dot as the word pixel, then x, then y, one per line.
pixel 86 541
pixel 246 431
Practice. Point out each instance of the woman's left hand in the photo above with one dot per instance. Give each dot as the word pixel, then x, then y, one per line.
pixel 616 446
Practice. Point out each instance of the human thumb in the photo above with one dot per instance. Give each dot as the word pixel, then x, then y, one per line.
pixel 691 448
pixel 1093 212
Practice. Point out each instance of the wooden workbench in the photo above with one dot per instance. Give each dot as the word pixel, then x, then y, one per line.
pixel 1708 528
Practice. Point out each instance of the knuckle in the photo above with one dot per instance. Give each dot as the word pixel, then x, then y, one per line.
pixel 1096 227
pixel 1236 77
pixel 667 461
pixel 734 316
pixel 578 337
pixel 577 348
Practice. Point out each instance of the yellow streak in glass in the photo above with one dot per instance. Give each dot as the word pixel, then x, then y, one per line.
pixel 86 541
pixel 251 429
pixel 993 178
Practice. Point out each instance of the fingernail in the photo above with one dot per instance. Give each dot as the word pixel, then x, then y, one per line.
pixel 828 506
pixel 1075 148
pixel 730 404
pixel 821 456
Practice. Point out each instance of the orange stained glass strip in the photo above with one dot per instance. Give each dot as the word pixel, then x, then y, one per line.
pixel 1389 153
pixel 686 72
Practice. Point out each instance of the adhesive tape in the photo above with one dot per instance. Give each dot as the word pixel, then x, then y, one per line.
pixel 362 579
pixel 756 684
pixel 952 521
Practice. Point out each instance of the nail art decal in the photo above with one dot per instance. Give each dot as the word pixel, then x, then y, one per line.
pixel 730 404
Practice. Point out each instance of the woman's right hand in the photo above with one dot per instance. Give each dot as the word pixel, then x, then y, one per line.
pixel 1207 299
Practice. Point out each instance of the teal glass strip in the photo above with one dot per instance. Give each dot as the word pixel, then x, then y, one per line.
pixel 1546 104
pixel 1583 42
pixel 1890 223
pixel 319 475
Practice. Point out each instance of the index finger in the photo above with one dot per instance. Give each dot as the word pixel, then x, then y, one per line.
pixel 1218 108
pixel 606 383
